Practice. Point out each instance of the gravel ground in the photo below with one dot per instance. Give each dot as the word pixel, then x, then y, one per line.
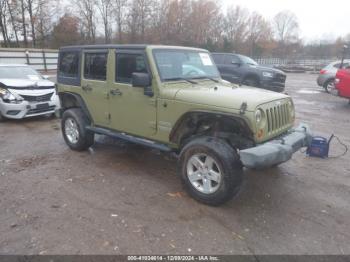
pixel 119 198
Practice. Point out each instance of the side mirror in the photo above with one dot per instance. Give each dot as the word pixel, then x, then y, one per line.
pixel 143 80
pixel 236 63
pixel 46 77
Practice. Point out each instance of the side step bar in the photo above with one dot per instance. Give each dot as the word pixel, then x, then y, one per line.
pixel 129 138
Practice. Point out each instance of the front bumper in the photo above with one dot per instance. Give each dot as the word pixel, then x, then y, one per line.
pixel 28 109
pixel 277 151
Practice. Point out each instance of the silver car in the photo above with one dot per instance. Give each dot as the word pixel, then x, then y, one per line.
pixel 25 93
pixel 327 75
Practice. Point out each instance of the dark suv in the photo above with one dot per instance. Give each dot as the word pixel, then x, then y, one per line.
pixel 243 70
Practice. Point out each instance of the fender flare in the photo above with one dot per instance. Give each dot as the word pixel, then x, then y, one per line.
pixel 78 99
pixel 173 137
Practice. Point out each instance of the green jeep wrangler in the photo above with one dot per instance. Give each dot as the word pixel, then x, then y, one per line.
pixel 173 99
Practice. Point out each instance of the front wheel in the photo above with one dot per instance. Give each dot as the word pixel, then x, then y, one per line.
pixel 74 123
pixel 211 170
pixel 329 86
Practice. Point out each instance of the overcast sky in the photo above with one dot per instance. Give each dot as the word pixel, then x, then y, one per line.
pixel 317 19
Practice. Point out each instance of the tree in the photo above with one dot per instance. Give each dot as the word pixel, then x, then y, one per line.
pixel 31 5
pixel 286 26
pixel 13 8
pixel 66 32
pixel 3 21
pixel 141 12
pixel 119 12
pixel 259 31
pixel 106 7
pixel 236 26
pixel 87 15
pixel 43 21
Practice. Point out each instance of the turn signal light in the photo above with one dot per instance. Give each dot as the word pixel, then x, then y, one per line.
pixel 260 133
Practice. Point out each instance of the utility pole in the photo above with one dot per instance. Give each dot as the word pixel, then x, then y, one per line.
pixel 345 48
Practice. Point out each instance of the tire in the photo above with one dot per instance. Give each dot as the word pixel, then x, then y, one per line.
pixel 223 160
pixel 329 85
pixel 251 82
pixel 74 131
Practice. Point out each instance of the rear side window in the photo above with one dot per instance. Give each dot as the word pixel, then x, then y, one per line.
pixel 69 64
pixel 232 59
pixel 127 64
pixel 95 66
pixel 218 59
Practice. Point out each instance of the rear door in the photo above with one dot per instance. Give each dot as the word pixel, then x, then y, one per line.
pixel 94 85
pixel 232 68
pixel 131 110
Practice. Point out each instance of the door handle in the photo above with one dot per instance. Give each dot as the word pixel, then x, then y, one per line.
pixel 86 88
pixel 116 92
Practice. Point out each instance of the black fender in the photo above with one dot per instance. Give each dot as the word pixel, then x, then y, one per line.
pixel 178 131
pixel 72 100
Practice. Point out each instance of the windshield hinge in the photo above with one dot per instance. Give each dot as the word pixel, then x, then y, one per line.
pixel 243 108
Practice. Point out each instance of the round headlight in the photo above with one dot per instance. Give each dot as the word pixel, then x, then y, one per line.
pixel 258 116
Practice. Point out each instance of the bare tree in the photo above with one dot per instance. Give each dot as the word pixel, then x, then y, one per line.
pixel 23 20
pixel 119 13
pixel 86 10
pixel 259 30
pixel 286 26
pixel 106 7
pixel 31 5
pixel 12 11
pixel 236 26
pixel 43 22
pixel 3 20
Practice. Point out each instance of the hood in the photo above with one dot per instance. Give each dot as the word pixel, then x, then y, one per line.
pixel 267 69
pixel 225 96
pixel 26 84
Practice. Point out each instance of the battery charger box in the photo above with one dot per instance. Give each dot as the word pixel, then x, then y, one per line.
pixel 319 147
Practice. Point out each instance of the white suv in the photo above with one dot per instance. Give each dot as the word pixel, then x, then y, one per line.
pixel 25 93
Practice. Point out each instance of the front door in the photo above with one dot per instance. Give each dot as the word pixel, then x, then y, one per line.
pixel 131 110
pixel 94 85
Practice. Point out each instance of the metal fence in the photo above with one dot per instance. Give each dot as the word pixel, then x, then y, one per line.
pixel 46 59
pixel 307 63
pixel 40 59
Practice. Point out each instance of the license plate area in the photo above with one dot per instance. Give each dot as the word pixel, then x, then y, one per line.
pixel 42 106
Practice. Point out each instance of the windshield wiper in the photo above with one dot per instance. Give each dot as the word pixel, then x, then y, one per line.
pixel 181 78
pixel 207 77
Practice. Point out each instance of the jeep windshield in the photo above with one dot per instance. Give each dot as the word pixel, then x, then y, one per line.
pixel 178 64
pixel 19 72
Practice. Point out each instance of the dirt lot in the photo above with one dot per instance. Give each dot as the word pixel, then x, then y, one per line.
pixel 121 198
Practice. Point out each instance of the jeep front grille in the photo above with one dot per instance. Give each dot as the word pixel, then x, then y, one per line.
pixel 278 118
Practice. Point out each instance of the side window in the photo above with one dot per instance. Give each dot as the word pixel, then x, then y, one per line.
pixel 95 66
pixel 69 64
pixel 219 59
pixel 127 64
pixel 232 59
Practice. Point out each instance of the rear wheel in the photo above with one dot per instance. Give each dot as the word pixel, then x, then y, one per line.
pixel 329 86
pixel 74 123
pixel 210 170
